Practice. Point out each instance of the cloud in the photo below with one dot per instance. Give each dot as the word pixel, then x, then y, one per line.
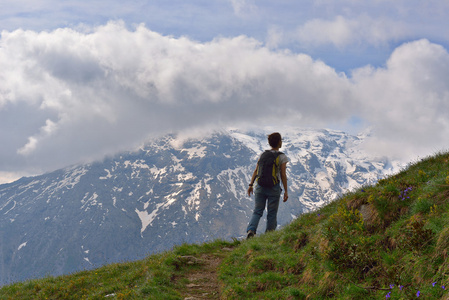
pixel 243 7
pixel 46 130
pixel 343 32
pixel 408 100
pixel 103 91
pixel 366 29
pixel 68 96
pixel 7 177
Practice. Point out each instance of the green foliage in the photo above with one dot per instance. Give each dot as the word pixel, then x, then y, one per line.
pixel 415 237
pixel 343 222
pixel 422 205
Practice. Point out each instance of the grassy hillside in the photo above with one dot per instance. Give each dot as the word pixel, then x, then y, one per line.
pixel 388 241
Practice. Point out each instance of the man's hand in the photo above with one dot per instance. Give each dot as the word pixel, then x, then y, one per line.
pixel 285 196
pixel 250 191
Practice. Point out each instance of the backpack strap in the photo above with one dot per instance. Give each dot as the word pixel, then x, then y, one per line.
pixel 269 177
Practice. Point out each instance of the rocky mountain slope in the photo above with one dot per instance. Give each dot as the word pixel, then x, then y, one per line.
pixel 169 192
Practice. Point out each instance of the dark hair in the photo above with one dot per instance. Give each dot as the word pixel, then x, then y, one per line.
pixel 274 139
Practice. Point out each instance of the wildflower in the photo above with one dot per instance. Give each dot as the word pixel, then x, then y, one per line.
pixel 433 284
pixel 403 194
pixel 418 293
pixel 400 287
pixel 391 286
pixel 388 295
pixel 443 287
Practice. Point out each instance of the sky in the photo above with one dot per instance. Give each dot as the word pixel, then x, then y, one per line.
pixel 80 80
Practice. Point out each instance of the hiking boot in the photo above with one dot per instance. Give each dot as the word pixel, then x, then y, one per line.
pixel 250 234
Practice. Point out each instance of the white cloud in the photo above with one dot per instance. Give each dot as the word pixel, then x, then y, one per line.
pixel 29 147
pixel 67 96
pixel 343 32
pixel 46 130
pixel 7 177
pixel 408 100
pixel 95 93
pixel 243 7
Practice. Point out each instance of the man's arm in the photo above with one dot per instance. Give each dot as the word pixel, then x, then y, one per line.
pixel 284 180
pixel 250 188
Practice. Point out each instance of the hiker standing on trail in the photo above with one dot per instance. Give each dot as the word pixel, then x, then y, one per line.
pixel 270 171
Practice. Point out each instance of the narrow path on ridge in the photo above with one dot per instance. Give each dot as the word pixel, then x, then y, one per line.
pixel 202 279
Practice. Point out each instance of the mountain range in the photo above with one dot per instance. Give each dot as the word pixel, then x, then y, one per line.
pixel 170 191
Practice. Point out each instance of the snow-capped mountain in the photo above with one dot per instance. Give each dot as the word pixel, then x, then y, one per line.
pixel 168 192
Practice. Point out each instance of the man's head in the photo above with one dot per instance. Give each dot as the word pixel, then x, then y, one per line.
pixel 274 140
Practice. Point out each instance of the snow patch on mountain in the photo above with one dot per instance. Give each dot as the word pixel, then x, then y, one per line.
pixel 147 218
pixel 21 246
pixel 108 176
pixel 252 142
pixel 232 179
pixel 195 152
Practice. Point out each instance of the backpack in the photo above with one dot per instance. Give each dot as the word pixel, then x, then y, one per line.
pixel 266 172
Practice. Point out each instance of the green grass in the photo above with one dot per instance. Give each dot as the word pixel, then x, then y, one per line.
pixel 160 276
pixel 395 234
pixel 391 238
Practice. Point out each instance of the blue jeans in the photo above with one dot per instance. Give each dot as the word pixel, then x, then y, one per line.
pixel 265 196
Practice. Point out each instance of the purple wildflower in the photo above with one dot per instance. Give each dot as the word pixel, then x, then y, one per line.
pixel 433 284
pixel 403 194
pixel 418 293
pixel 388 295
pixel 391 286
pixel 443 287
pixel 400 287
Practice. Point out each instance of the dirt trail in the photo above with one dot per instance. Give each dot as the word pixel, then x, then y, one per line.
pixel 203 279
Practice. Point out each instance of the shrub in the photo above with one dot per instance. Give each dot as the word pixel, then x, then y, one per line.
pixel 415 236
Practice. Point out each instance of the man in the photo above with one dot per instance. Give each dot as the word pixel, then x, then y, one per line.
pixel 268 194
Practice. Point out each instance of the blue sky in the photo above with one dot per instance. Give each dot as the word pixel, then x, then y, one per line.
pixel 364 32
pixel 83 79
